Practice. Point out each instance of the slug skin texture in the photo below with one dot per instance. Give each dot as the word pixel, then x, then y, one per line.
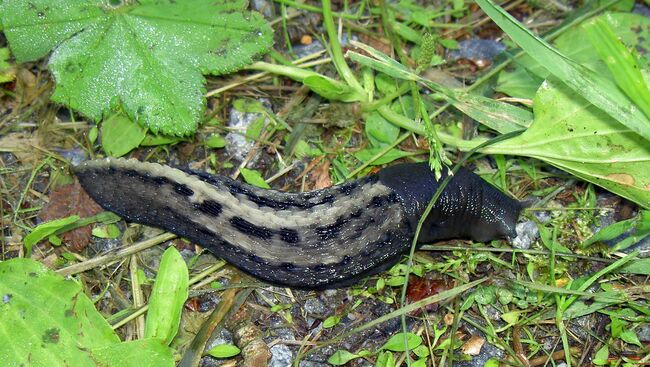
pixel 321 239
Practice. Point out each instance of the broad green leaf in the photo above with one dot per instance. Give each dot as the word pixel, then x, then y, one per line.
pixel 498 116
pixel 254 178
pixel 601 356
pixel 341 357
pixel 215 141
pixel 143 352
pixel 170 291
pixel 397 342
pixel 639 266
pixel 106 231
pixel 630 337
pixel 598 90
pixel 224 351
pixel 573 135
pixel 46 320
pixel 45 230
pixel 380 131
pixel 332 321
pixel 147 55
pixel 385 359
pixel 120 135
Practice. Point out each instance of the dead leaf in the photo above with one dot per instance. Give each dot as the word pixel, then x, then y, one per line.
pixel 321 176
pixel 473 346
pixel 71 200
pixel 22 146
pixel 448 319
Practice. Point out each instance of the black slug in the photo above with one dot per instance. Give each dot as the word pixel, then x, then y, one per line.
pixel 321 239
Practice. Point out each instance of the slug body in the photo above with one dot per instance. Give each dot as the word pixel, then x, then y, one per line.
pixel 321 239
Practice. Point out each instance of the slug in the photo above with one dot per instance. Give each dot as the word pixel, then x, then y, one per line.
pixel 314 240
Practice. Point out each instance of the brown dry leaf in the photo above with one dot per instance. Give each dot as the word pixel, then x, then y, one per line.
pixel 449 319
pixel 321 176
pixel 473 346
pixel 22 146
pixel 71 200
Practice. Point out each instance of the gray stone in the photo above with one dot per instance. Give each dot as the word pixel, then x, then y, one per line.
pixel 527 233
pixel 281 356
pixel 315 307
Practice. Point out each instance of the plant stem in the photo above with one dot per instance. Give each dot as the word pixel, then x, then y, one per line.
pixel 335 48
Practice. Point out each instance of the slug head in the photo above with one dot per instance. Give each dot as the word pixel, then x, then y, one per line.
pixel 469 207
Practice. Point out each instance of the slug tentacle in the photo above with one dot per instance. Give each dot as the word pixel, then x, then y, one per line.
pixel 320 239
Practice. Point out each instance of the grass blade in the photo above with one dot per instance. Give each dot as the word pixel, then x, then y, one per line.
pixel 621 62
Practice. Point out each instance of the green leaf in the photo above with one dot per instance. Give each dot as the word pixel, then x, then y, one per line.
pixel 341 357
pixel 598 90
pixel 120 135
pixel 7 71
pixel 106 231
pixel 224 351
pixel 45 230
pixel 380 132
pixel 639 266
pixel 170 291
pixel 331 89
pixel 254 178
pixel 255 128
pixel 146 55
pixel 143 352
pixel 151 140
pixel 640 224
pixel 248 105
pixel 621 63
pixel 528 74
pixel 331 321
pixel 601 356
pixel 630 337
pixel 56 323
pixel 385 359
pixel 573 135
pixel 215 141
pixel 396 343
pixel 498 116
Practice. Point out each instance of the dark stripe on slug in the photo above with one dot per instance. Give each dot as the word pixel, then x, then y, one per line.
pixel 381 201
pixel 132 173
pixel 248 228
pixel 331 231
pixel 289 235
pixel 183 190
pixel 348 188
pixel 160 180
pixel 210 207
pixel 256 259
pixel 288 267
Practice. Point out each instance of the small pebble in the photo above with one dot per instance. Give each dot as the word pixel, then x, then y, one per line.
pixel 281 356
pixel 527 233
